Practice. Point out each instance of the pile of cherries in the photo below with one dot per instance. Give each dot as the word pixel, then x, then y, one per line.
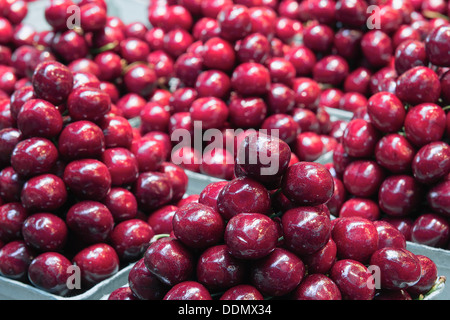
pixel 77 185
pixel 258 237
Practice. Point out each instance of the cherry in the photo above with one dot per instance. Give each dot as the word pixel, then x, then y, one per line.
pixel 11 184
pixel 182 99
pixel 131 239
pixel 69 46
pixel 403 224
pixel 376 46
pixel 218 54
pixel 198 225
pixel 209 195
pixel 425 123
pixel 351 13
pixel 263 158
pixel 247 112
pixel 306 119
pixel 12 217
pixel 331 69
pixel 15 259
pixel 418 85
pixel 386 112
pixel 317 287
pixel 34 156
pixel 234 22
pixel 217 269
pixel 92 17
pixel 45 232
pixel 360 138
pixel 109 64
pixel 322 260
pixel 356 238
pixel 431 162
pixel 318 37
pixel 122 165
pixel 399 268
pixel 431 229
pixel 187 157
pixel 188 290
pixel 307 93
pixel 143 284
pixel 205 28
pixel 211 111
pixel 295 225
pixel 308 146
pixel 437 44
pixel 405 33
pixel 188 67
pixel 152 190
pixel 242 195
pixel 161 219
pixel 122 293
pixel 97 262
pixel 169 260
pixel 358 81
pixel 361 207
pixel 362 178
pixel 244 242
pixel 347 43
pixel 399 195
pixel 302 58
pixel 19 97
pixel 49 271
pixel 218 163
pixel 384 79
pixel 87 103
pixel 410 54
pixel 278 273
pixel 287 29
pixel 395 153
pixel 52 81
pixel 353 279
pixel 117 131
pixel 242 292
pixel 57 13
pixel 389 236
pixel 308 183
pixel 81 139
pixel 288 128
pixel 281 70
pixel 250 79
pixel 438 198
pixel 149 153
pixel 140 79
pixel 428 276
pixel 254 48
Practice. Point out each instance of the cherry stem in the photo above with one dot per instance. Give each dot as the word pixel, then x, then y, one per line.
pixel 106 47
pixel 441 280
pixel 156 237
pixel 446 108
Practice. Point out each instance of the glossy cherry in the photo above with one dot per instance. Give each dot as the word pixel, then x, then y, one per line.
pixel 317 287
pixel 250 79
pixel 188 290
pixel 438 198
pixel 52 81
pixel 418 85
pixel 386 112
pixel 431 162
pixel 12 217
pixel 242 292
pixel 143 284
pixel 243 195
pixel 97 263
pixel 431 229
pixel 360 138
pixel 45 232
pixel 304 188
pixel 169 260
pixel 295 225
pixel 389 236
pixel 395 153
pixel 15 259
pixel 152 190
pixel 361 207
pixel 428 276
pixel 352 278
pixel 50 271
pixel 425 123
pixel 399 195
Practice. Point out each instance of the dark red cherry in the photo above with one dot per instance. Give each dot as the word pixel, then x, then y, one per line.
pixel 97 263
pixel 15 259
pixel 52 81
pixel 431 163
pixel 88 179
pixel 351 13
pixel 362 178
pixel 410 54
pixel 360 138
pixel 376 46
pixel 428 276
pixel 295 225
pixel 317 287
pixel 395 153
pixel 386 112
pixel 43 193
pixel 86 103
pixel 354 280
pixel 437 44
pixel 34 156
pixel 302 58
pixel 251 79
pixel 399 195
pixel 356 238
pixel 425 123
pixel 308 183
pixel 438 198
pixel 331 69
pixel 45 232
pixel 361 207
pixel 247 112
pixel 243 195
pixel 188 290
pixel 234 22
pixel 242 292
pixel 245 242
pixel 418 85
pixel 218 54
pixel 152 190
pixel 399 268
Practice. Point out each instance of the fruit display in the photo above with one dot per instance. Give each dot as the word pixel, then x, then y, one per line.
pixel 104 119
